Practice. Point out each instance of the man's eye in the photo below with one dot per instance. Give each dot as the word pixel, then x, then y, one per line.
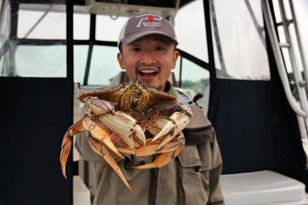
pixel 136 49
pixel 159 48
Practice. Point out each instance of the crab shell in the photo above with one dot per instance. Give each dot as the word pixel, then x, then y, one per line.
pixel 136 99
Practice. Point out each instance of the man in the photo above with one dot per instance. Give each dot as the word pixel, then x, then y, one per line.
pixel 148 54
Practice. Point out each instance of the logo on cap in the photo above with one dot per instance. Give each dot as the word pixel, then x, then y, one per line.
pixel 149 21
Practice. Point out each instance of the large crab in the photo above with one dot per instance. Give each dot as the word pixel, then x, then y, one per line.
pixel 130 110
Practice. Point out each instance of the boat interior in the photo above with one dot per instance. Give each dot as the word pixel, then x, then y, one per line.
pixel 243 61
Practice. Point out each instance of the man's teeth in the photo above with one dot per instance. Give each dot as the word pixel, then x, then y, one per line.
pixel 147 72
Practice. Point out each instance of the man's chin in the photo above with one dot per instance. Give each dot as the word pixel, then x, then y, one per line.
pixel 149 84
pixel 144 81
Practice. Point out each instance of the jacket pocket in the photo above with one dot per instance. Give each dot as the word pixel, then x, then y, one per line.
pixel 193 176
pixel 189 157
pixel 198 157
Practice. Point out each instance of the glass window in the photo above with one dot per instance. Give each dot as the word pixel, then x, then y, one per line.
pixel 82 26
pixel 190 29
pixel 37 51
pixel 6 64
pixel 5 45
pixel 104 65
pixel 238 35
pixel 194 79
pixel 104 23
pixel 80 61
pixel 44 24
pixel 40 61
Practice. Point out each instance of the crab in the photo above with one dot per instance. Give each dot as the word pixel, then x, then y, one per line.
pixel 147 120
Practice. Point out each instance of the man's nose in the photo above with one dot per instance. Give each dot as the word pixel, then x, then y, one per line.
pixel 147 58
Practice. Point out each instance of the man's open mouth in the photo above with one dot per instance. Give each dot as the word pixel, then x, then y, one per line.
pixel 148 72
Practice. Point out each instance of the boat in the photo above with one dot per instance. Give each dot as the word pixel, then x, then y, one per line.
pixel 243 61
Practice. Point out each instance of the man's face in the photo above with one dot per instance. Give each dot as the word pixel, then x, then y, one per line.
pixel 149 60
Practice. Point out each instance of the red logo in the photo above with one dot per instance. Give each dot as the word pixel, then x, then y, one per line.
pixel 150 18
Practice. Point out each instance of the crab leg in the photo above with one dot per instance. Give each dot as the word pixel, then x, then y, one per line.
pixel 151 147
pixel 162 159
pixel 102 151
pixel 167 153
pixel 67 143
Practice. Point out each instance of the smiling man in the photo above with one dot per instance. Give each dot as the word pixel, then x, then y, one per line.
pixel 148 50
pixel 150 60
pixel 147 45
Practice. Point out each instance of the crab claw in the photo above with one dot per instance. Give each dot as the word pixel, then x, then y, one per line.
pixel 125 126
pixel 67 144
pixel 93 126
pixel 119 122
pixel 177 122
pixel 99 106
pixel 102 151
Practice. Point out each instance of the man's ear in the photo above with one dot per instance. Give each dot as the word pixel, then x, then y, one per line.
pixel 120 60
pixel 175 57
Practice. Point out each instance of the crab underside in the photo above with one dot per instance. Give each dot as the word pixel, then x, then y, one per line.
pixel 130 111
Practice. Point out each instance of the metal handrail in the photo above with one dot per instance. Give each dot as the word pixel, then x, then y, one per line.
pixel 301 50
pixel 279 61
pixel 301 107
pixel 300 82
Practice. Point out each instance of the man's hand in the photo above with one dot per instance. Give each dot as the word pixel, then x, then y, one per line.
pixel 116 139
